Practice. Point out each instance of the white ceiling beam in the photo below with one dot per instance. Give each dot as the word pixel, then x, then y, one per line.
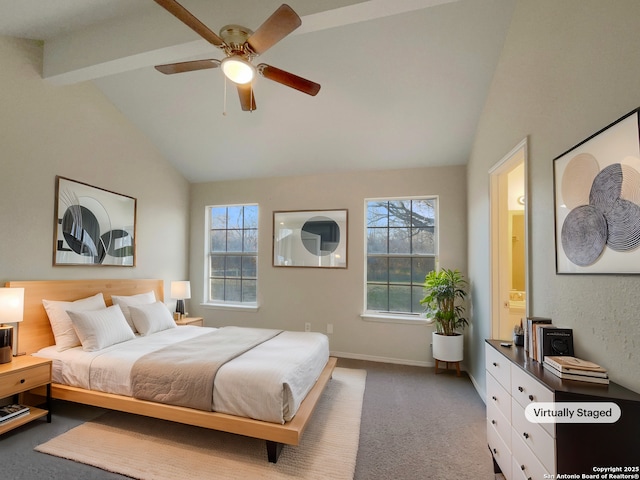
pixel 153 36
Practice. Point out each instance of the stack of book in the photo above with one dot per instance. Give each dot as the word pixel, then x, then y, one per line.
pixel 13 411
pixel 573 368
pixel 542 338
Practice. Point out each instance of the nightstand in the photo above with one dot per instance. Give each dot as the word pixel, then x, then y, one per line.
pixel 195 321
pixel 21 375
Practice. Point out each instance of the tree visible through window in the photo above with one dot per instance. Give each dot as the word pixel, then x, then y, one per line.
pixel 233 253
pixel 402 247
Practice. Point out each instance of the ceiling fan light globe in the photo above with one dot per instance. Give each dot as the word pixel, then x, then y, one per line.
pixel 238 70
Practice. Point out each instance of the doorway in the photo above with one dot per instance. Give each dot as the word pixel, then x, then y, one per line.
pixel 509 242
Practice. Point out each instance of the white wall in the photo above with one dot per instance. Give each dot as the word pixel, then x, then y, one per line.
pixel 289 297
pixel 567 70
pixel 75 132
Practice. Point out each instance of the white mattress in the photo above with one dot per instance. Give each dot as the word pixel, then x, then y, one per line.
pixel 266 383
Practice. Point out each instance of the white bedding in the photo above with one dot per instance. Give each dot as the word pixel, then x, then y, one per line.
pixel 266 383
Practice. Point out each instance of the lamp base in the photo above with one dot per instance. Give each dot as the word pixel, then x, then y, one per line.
pixel 6 343
pixel 180 307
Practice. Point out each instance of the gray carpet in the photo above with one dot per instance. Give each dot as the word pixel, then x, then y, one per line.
pixel 415 425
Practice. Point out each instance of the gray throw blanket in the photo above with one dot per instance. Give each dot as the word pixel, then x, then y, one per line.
pixel 183 373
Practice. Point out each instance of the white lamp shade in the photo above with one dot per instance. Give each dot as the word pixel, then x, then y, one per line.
pixel 181 289
pixel 11 305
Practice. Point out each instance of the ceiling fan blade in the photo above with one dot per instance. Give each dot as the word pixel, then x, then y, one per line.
pixel 247 99
pixel 289 79
pixel 190 21
pixel 280 24
pixel 190 66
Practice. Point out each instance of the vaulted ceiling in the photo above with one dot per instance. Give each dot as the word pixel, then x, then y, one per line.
pixel 403 81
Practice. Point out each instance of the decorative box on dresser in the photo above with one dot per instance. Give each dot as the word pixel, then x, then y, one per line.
pixel 523 450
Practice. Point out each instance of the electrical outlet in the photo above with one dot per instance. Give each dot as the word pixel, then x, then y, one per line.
pixel 307 327
pixel 329 327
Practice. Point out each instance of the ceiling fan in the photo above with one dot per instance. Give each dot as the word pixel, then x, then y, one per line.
pixel 241 46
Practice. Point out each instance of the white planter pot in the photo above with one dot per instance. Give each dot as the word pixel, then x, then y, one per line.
pixel 447 349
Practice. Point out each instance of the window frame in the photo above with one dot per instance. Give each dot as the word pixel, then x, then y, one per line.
pixel 393 316
pixel 222 304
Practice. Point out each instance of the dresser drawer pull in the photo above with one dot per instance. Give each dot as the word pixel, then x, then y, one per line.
pixel 22 380
pixel 493 422
pixel 495 451
pixel 494 398
pixel 525 435
pixel 531 397
pixel 522 467
pixel 495 364
pixel 520 389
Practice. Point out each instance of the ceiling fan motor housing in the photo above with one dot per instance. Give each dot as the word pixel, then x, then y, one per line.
pixel 235 36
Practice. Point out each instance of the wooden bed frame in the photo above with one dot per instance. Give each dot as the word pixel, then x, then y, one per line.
pixel 35 333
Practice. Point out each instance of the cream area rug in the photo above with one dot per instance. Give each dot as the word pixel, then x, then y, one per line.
pixel 151 449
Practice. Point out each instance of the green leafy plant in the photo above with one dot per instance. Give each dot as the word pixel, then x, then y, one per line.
pixel 445 292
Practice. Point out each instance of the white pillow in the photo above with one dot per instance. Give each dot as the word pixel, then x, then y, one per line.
pixel 126 301
pixel 63 332
pixel 99 329
pixel 151 318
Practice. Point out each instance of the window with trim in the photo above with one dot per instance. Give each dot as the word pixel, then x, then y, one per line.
pixel 233 254
pixel 402 247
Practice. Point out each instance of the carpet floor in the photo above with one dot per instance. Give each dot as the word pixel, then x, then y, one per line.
pixel 151 449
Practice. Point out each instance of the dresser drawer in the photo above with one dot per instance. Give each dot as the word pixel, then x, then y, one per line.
pixel 526 389
pixel 536 438
pixel 525 465
pixel 25 379
pixel 501 453
pixel 501 423
pixel 498 365
pixel 498 396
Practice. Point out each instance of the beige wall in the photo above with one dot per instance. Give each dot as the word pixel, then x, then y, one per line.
pixel 289 297
pixel 75 132
pixel 567 70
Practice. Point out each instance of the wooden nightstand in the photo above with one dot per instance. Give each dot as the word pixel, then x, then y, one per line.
pixel 196 321
pixel 20 375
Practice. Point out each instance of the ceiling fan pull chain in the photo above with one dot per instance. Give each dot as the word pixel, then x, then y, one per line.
pixel 224 101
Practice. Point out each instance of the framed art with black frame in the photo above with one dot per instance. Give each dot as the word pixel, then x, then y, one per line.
pixel 597 202
pixel 93 226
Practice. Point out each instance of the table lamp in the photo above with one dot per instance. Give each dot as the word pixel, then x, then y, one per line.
pixel 11 311
pixel 180 290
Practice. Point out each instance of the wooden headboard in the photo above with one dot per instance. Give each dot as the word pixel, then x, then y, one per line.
pixel 35 332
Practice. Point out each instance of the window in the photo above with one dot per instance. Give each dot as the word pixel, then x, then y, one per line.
pixel 233 254
pixel 402 247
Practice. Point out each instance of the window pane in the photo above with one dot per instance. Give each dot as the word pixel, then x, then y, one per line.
pixel 377 214
pixel 400 240
pixel 399 270
pixel 217 266
pixel 234 240
pixel 424 241
pixel 232 290
pixel 378 269
pixel 251 216
pixel 218 217
pixel 377 240
pixel 399 298
pixel 217 289
pixel 400 213
pixel 417 295
pixel 249 269
pixel 424 213
pixel 250 243
pixel 249 291
pixel 233 267
pixel 422 266
pixel 234 217
pixel 377 297
pixel 218 241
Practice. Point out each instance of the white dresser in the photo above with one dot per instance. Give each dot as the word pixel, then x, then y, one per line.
pixel 534 451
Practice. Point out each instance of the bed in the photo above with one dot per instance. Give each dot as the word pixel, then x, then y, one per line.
pixel 35 335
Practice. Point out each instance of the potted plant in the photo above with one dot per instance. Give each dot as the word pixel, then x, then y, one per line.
pixel 445 293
